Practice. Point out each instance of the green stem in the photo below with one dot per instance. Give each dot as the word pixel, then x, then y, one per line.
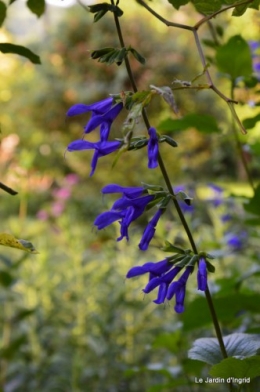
pixel 170 189
pixel 240 148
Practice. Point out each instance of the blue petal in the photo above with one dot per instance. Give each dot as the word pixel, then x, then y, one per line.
pixel 161 294
pixel 202 275
pixel 79 108
pixel 106 218
pixel 130 192
pixel 78 145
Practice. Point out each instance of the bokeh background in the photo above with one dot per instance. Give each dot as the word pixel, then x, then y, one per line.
pixel 69 320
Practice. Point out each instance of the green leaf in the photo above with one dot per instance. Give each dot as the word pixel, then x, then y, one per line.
pixel 6 279
pixel 238 371
pixel 36 6
pixel 168 247
pixel 169 140
pixel 10 241
pixel 228 307
pixel 101 9
pixel 2 12
pixel 234 58
pixel 21 50
pixel 137 55
pixel 207 7
pixel 237 344
pixel 202 122
pixel 241 9
pixel 253 206
pixel 11 2
pixel 178 3
pixel 251 122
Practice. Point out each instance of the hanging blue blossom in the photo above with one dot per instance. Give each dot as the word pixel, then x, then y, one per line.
pixel 202 274
pixel 150 230
pixel 103 113
pixel 153 149
pixel 100 148
pixel 161 275
pixel 126 209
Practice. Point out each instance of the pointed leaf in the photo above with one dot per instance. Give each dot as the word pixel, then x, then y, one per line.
pixel 251 122
pixel 237 345
pixel 137 55
pixel 2 12
pixel 21 50
pixel 10 241
pixel 178 3
pixel 36 6
pixel 206 6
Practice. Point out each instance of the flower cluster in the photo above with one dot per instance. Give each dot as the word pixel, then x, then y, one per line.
pixel 162 274
pixel 127 209
pixel 103 113
pixel 134 201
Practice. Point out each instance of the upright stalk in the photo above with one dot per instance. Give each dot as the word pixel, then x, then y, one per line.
pixel 170 189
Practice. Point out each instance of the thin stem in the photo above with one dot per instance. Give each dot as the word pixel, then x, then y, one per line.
pixel 203 61
pixel 170 189
pixel 207 18
pixel 240 148
pixel 165 21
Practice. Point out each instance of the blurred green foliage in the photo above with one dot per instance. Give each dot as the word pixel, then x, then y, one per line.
pixel 69 321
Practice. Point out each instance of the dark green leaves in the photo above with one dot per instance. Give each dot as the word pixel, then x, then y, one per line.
pixel 234 58
pixel 203 123
pixel 253 206
pixel 2 12
pixel 177 3
pixel 112 55
pixel 137 55
pixel 207 7
pixel 36 6
pixel 21 50
pixel 101 9
pixel 251 122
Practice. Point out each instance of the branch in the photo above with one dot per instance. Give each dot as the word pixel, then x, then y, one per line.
pixel 207 18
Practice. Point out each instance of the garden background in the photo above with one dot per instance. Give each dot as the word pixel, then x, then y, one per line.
pixel 69 320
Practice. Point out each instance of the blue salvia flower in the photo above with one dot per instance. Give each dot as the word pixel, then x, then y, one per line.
pixel 202 274
pixel 218 194
pixel 100 148
pixel 179 289
pixel 150 230
pixel 126 209
pixel 153 148
pixel 103 113
pixel 235 241
pixel 161 275
pixel 255 51
pixel 131 192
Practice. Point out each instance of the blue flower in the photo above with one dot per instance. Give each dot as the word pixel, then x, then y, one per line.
pixel 179 289
pixel 217 194
pixel 103 115
pixel 153 149
pixel 202 274
pixel 161 275
pixel 236 242
pixel 150 230
pixel 131 192
pixel 101 148
pixel 125 210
